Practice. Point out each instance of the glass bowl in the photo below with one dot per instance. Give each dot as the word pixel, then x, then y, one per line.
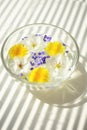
pixel 40 55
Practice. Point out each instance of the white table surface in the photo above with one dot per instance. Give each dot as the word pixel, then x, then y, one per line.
pixel 19 108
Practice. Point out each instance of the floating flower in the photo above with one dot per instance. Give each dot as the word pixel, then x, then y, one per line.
pixel 39 59
pixel 39 75
pixel 18 65
pixel 55 48
pixel 18 50
pixel 34 42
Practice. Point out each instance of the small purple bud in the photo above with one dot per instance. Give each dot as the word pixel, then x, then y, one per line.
pixel 39 64
pixel 40 57
pixel 37 34
pixel 20 74
pixel 31 63
pixel 43 52
pixel 47 56
pixel 33 53
pixel 34 57
pixel 64 44
pixel 39 53
pixel 67 51
pixel 44 59
pixel 26 37
pixel 47 38
pixel 31 68
pixel 44 62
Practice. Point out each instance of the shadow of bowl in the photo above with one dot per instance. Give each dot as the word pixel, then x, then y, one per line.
pixel 69 94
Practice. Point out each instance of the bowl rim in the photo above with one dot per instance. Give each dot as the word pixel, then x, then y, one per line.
pixel 25 26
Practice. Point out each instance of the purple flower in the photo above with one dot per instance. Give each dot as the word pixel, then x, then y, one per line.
pixel 38 59
pixel 47 38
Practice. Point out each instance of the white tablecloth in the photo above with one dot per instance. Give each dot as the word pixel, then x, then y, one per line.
pixel 19 108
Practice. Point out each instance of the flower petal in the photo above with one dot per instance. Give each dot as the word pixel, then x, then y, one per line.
pixel 18 50
pixel 55 48
pixel 39 74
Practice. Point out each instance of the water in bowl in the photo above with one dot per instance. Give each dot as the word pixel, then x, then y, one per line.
pixel 38 58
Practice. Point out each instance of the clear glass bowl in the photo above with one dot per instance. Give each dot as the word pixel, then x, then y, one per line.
pixel 43 33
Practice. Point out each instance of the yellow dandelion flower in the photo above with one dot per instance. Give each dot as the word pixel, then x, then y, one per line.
pixel 18 50
pixel 54 48
pixel 39 75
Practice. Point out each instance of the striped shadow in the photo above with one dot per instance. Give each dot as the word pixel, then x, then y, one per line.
pixel 13 104
pixel 5 18
pixel 15 18
pixel 22 123
pixel 6 7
